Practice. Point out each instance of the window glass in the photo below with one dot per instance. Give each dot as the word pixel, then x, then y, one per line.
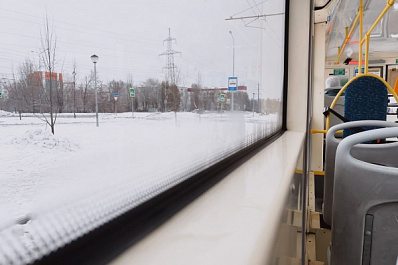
pixel 106 104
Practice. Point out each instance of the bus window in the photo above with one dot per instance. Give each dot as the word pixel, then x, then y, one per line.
pixel 105 106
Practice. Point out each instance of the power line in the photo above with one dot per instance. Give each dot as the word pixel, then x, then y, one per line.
pixel 89 29
pixel 251 7
pixel 256 16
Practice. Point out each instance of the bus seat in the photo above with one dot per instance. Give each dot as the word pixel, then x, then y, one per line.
pixel 333 86
pixel 365 203
pixel 366 98
pixel 371 152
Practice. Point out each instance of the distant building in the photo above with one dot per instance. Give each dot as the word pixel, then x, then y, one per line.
pixel 38 79
pixel 41 86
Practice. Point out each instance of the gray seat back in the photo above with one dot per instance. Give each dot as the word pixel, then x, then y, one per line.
pixel 365 199
pixel 373 153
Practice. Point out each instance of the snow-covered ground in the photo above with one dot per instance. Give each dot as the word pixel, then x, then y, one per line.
pixel 85 166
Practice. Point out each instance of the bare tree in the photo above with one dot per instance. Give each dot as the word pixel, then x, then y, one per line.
pixel 174 98
pixel 26 80
pixel 16 96
pixel 24 88
pixel 84 89
pixel 74 88
pixel 149 93
pixel 49 45
pixel 195 99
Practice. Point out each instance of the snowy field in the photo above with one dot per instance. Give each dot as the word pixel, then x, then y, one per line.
pixel 85 166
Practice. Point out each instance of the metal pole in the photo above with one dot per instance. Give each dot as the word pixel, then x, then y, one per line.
pixel 253 103
pixel 233 68
pixel 132 107
pixel 165 96
pixel 308 138
pixel 258 98
pixel 74 94
pixel 233 55
pixel 40 92
pixel 96 97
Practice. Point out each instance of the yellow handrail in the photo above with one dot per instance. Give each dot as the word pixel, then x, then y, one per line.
pixel 360 36
pixel 389 4
pixel 319 173
pixel 367 35
pixel 313 131
pixel 347 37
pixel 359 17
pixel 367 54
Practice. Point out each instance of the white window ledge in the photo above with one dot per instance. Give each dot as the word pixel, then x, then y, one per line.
pixel 232 223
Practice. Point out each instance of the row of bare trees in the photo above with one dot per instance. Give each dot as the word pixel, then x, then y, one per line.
pixel 28 92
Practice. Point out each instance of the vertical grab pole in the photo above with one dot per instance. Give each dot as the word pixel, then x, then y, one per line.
pixel 367 53
pixel 308 138
pixel 360 37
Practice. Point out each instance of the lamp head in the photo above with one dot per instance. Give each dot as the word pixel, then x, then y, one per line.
pixel 94 58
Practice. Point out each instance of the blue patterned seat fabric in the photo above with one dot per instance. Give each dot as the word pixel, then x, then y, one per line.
pixel 366 98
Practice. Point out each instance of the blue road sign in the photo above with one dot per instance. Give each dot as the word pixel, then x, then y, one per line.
pixel 132 92
pixel 222 97
pixel 115 94
pixel 1 94
pixel 232 83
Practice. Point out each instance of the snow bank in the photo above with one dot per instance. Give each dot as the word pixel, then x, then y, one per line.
pixel 5 113
pixel 45 139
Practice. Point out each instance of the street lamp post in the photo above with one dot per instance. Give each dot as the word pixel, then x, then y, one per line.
pixel 253 103
pixel 233 68
pixel 74 94
pixel 258 99
pixel 94 59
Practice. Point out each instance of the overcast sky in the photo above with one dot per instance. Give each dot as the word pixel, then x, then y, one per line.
pixel 128 38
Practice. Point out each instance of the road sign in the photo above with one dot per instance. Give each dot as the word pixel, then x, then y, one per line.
pixel 232 83
pixel 222 97
pixel 115 94
pixel 132 92
pixel 356 71
pixel 339 71
pixel 1 94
